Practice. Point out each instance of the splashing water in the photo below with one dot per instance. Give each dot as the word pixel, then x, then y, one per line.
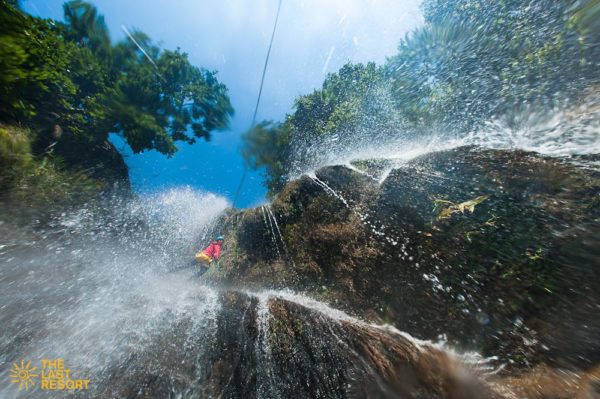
pixel 266 384
pixel 269 225
pixel 376 229
pixel 484 365
pixel 109 293
pixel 94 290
pixel 558 132
pixel 274 219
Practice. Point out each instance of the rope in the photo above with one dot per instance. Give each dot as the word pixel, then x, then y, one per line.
pixel 143 51
pixel 264 72
pixel 262 82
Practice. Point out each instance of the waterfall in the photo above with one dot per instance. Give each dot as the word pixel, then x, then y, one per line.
pixel 269 225
pixel 100 284
pixel 285 249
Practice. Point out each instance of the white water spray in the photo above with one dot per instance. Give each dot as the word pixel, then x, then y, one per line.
pixel 95 289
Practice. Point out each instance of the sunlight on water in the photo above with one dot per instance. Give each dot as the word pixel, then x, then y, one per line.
pixel 558 132
pixel 104 288
pixel 407 273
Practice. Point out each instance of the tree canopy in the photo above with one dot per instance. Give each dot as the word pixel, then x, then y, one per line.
pixel 473 60
pixel 71 76
pixel 337 109
pixel 267 145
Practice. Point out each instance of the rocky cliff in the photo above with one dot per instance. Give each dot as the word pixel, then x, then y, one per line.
pixel 287 346
pixel 487 250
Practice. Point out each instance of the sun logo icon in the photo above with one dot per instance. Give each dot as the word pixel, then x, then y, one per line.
pixel 23 375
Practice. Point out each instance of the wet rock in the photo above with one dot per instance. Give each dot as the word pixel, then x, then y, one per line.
pixel 273 347
pixel 281 346
pixel 444 239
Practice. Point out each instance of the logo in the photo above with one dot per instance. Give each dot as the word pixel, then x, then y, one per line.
pixel 23 375
pixel 54 376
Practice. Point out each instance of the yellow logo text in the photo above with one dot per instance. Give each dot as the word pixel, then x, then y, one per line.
pixel 54 376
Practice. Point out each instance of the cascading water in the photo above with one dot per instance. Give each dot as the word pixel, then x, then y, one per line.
pixel 559 132
pixel 110 291
pixel 269 223
pixel 96 289
pixel 279 235
pixel 399 210
pixel 376 228
pixel 110 288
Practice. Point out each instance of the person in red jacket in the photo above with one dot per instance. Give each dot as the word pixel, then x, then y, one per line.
pixel 210 253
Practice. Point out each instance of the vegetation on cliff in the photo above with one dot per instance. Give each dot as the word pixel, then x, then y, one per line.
pixel 471 62
pixel 491 250
pixel 64 87
pixel 39 182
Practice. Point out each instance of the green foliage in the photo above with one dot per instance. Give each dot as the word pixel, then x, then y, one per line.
pixel 472 61
pixel 338 108
pixel 87 27
pixel 71 87
pixel 176 95
pixel 586 19
pixel 338 105
pixel 71 75
pixel 33 62
pixel 15 154
pixel 39 182
pixel 46 183
pixel 267 145
pixel 476 59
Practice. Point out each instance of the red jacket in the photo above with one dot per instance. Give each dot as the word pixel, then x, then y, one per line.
pixel 213 250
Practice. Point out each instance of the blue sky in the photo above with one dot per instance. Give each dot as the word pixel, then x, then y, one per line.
pixel 314 37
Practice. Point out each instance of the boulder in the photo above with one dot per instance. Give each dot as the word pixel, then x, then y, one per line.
pixel 489 250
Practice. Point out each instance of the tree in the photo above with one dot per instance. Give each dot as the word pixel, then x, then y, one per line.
pixel 156 103
pixel 472 61
pixel 338 105
pixel 267 145
pixel 71 76
pixel 346 100
pixel 86 26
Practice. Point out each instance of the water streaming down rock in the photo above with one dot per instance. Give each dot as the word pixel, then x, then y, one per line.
pixel 377 227
pixel 98 286
pixel 117 299
pixel 265 381
pixel 277 345
pixel 279 235
pixel 268 222
pixel 490 250
pixel 109 287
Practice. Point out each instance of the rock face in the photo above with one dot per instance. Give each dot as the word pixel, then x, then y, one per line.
pixel 270 347
pixel 98 159
pixel 496 251
pixel 284 346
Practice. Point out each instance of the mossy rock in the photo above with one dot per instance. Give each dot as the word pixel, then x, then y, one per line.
pixel 487 248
